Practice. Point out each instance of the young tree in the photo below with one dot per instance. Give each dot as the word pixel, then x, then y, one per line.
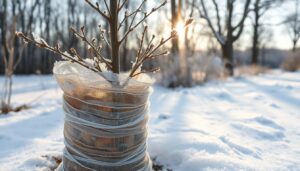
pixel 111 15
pixel 293 25
pixel 229 33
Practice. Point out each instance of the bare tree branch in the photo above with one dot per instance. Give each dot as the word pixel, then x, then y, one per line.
pixel 206 17
pixel 151 49
pixel 97 8
pixel 96 51
pixel 120 7
pixel 240 25
pixel 107 8
pixel 218 16
pixel 132 27
pixel 55 50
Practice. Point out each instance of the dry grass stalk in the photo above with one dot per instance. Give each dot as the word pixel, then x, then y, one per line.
pixel 292 62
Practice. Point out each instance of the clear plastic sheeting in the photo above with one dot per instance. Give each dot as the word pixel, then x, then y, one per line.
pixel 105 120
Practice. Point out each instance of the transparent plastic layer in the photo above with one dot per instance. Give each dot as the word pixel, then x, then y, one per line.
pixel 105 120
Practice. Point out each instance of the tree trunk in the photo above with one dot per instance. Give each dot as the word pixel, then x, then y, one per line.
pixel 255 49
pixel 255 41
pixel 227 52
pixel 175 47
pixel 294 45
pixel 114 36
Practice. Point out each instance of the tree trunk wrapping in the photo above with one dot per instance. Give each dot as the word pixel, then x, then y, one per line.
pixel 103 132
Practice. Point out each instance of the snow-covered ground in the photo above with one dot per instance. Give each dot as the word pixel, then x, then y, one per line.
pixel 248 123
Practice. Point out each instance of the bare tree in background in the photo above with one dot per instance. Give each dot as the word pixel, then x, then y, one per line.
pixel 10 62
pixel 229 33
pixel 180 11
pixel 261 7
pixel 11 50
pixel 293 25
pixel 73 21
pixel 176 7
pixel 3 26
pixel 180 44
pixel 29 63
pixel 188 45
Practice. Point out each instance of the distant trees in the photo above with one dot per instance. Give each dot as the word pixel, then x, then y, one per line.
pixel 293 25
pixel 40 17
pixel 3 26
pixel 225 23
pixel 12 17
pixel 27 20
pixel 228 33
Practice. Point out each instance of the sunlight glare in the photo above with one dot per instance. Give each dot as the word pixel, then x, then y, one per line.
pixel 180 28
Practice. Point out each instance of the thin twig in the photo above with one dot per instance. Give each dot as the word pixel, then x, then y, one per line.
pixel 126 17
pixel 132 28
pixel 147 71
pixel 149 52
pixel 107 8
pixel 55 50
pixel 142 40
pixel 84 39
pixel 97 8
pixel 120 7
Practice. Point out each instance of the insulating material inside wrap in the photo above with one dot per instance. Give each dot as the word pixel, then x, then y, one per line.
pixel 105 120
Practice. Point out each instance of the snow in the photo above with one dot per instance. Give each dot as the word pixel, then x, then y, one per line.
pixel 245 123
pixel 27 137
pixel 38 39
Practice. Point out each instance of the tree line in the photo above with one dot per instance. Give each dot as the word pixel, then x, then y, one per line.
pixel 221 21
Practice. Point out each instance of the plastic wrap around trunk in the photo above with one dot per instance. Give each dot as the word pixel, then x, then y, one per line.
pixel 105 120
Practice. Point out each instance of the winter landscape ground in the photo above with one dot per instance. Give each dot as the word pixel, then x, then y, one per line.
pixel 245 123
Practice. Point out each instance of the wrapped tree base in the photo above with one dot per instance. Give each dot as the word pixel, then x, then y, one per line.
pixel 105 120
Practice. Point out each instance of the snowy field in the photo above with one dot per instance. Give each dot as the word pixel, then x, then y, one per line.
pixel 248 123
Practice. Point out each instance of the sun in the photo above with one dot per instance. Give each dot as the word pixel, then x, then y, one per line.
pixel 180 28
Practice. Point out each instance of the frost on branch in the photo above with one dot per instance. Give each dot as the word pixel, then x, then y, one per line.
pixel 39 40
